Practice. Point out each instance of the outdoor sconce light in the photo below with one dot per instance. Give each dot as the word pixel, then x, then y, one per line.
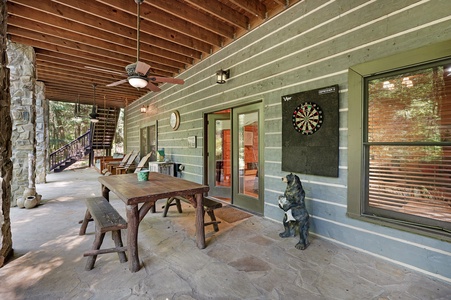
pixel 222 76
pixel 143 109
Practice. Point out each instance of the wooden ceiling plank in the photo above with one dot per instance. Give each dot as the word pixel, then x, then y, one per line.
pixel 49 71
pixel 282 2
pixel 68 26
pixel 90 42
pixel 95 21
pixel 254 7
pixel 38 35
pixel 89 92
pixel 91 59
pixel 102 90
pixel 82 23
pixel 85 96
pixel 195 16
pixel 172 26
pixel 127 17
pixel 90 65
pixel 57 70
pixel 60 97
pixel 73 22
pixel 222 11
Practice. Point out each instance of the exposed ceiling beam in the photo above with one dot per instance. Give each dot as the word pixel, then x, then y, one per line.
pixel 78 43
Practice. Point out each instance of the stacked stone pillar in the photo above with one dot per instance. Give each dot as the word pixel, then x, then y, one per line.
pixel 42 141
pixel 21 62
pixel 6 166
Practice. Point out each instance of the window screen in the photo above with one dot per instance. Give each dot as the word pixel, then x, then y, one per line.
pixel 408 145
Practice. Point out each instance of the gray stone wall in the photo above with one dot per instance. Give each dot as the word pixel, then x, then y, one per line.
pixel 5 144
pixel 41 133
pixel 21 62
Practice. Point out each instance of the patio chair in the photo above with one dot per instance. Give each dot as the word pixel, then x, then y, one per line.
pixel 143 162
pixel 110 165
pixel 130 164
pixel 136 169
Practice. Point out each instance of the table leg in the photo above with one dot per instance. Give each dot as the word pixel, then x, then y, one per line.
pixel 106 192
pixel 132 237
pixel 200 228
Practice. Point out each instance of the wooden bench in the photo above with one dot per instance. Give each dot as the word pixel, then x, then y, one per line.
pixel 106 218
pixel 209 206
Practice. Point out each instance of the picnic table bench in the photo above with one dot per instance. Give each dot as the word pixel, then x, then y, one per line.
pixel 209 206
pixel 106 219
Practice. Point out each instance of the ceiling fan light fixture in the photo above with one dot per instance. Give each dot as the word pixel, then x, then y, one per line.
pixel 137 82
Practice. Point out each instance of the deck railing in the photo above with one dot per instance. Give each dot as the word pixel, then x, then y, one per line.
pixel 73 150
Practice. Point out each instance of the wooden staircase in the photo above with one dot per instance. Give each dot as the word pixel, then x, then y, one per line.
pixel 70 153
pixel 100 136
pixel 103 132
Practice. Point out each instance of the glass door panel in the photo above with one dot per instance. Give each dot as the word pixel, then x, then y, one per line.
pixel 219 156
pixel 246 157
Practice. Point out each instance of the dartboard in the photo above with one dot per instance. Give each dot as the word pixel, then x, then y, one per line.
pixel 307 118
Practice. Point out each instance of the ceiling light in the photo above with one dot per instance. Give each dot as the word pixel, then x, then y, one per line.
pixel 94 117
pixel 222 76
pixel 137 82
pixel 94 113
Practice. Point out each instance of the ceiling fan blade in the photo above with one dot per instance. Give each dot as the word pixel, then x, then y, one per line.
pixel 141 68
pixel 117 82
pixel 104 70
pixel 166 79
pixel 153 87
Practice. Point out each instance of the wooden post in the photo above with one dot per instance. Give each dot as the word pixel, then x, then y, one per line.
pixel 200 230
pixel 132 237
pixel 106 192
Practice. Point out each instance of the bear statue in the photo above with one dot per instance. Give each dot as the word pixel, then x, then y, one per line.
pixel 296 218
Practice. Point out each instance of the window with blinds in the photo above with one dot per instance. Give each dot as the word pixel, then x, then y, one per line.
pixel 407 145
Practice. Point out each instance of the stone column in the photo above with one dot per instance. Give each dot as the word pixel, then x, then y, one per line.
pixel 6 167
pixel 21 62
pixel 41 133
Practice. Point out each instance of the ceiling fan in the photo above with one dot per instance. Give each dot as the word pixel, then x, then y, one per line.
pixel 138 73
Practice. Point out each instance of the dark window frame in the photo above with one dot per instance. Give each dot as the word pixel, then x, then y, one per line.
pixel 357 130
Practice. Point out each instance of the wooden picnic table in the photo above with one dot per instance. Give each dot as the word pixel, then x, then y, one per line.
pixel 140 196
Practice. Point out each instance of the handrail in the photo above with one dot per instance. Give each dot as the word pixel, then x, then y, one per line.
pixel 73 150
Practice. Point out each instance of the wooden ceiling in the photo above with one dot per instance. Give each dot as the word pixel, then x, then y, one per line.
pixel 79 43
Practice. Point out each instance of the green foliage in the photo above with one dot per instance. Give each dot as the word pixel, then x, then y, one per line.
pixel 63 127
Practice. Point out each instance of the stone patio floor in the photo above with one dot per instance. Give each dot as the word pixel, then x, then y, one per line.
pixel 244 260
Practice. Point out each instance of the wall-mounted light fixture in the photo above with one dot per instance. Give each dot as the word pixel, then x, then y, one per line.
pixel 222 76
pixel 144 109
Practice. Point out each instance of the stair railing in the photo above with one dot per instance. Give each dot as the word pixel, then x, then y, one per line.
pixel 73 150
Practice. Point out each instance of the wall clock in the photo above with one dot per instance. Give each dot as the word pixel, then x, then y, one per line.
pixel 307 118
pixel 174 120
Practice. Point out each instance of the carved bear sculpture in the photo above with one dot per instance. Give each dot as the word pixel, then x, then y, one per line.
pixel 296 219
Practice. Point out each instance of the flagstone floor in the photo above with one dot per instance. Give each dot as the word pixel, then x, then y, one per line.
pixel 244 260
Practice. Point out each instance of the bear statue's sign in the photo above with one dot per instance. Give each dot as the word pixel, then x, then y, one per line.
pixel 310 132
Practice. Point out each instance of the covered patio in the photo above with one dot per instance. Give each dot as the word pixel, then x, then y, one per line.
pixel 48 260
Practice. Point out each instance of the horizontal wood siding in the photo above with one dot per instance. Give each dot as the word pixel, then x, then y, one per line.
pixel 309 46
